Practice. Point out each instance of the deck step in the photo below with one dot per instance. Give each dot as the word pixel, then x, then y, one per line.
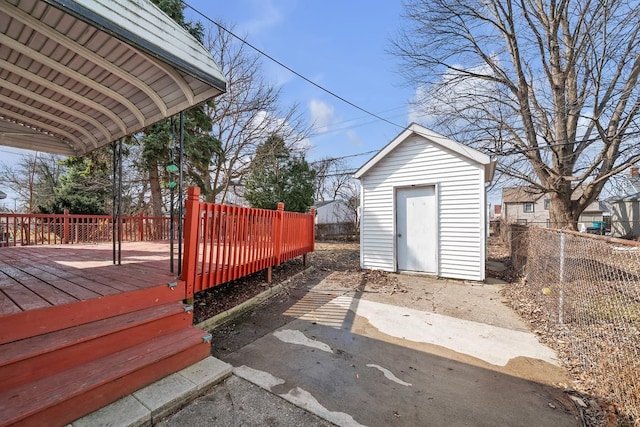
pixel 79 390
pixel 41 321
pixel 40 356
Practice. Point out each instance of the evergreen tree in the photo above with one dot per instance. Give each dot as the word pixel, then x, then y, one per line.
pixel 275 175
pixel 84 188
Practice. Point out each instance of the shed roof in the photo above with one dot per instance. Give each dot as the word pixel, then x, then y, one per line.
pixel 437 139
pixel 78 74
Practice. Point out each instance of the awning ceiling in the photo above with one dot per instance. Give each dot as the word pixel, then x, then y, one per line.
pixel 76 75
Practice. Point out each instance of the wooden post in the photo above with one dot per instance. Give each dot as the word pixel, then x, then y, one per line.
pixel 191 226
pixel 278 234
pixel 313 229
pixel 65 226
pixel 141 226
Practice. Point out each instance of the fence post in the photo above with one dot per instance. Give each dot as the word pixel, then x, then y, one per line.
pixel 563 237
pixel 311 235
pixel 313 229
pixel 279 230
pixel 141 226
pixel 191 226
pixel 65 226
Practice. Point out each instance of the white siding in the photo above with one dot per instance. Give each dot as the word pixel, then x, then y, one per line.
pixel 460 200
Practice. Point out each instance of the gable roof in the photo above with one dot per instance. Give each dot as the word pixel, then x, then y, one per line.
pixel 434 138
pixel 527 194
pixel 520 194
pixel 76 75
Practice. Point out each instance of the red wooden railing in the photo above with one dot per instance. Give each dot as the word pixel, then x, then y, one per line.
pixel 43 229
pixel 223 243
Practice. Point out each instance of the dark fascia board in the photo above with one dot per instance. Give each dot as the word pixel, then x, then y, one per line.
pixel 89 16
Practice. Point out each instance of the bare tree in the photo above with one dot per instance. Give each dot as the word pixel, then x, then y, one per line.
pixel 333 176
pixel 244 116
pixel 34 179
pixel 551 86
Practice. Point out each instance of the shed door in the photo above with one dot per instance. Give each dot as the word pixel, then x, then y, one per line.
pixel 416 229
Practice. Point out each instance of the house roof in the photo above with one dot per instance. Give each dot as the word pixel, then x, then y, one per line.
pixel 627 198
pixel 526 194
pixel 323 203
pixel 78 74
pixel 3 195
pixel 433 137
pixel 520 194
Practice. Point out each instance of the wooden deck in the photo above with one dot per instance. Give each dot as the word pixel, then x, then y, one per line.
pixel 78 332
pixel 37 277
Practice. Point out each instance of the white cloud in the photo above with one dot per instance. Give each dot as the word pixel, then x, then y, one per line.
pixel 266 124
pixel 455 92
pixel 265 15
pixel 322 115
pixel 354 138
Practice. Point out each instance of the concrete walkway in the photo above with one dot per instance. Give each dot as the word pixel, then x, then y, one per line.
pixel 445 353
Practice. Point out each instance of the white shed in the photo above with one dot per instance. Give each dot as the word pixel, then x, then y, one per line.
pixel 423 206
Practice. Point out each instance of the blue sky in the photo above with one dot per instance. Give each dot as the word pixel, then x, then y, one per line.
pixel 341 46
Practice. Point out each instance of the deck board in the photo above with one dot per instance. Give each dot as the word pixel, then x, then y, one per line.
pixel 34 277
pixel 23 298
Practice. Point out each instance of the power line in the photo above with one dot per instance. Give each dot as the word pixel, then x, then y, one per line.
pixel 369 113
pixel 291 70
pixel 330 159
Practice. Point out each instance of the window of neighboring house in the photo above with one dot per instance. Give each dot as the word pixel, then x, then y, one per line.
pixel 547 203
pixel 528 207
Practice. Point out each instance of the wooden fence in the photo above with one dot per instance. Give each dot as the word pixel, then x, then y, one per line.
pixel 223 243
pixel 43 229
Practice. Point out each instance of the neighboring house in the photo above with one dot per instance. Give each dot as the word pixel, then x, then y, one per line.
pixel 335 219
pixel 497 212
pixel 334 212
pixel 528 205
pixel 423 206
pixel 625 208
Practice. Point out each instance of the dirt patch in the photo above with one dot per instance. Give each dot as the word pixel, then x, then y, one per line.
pixel 329 257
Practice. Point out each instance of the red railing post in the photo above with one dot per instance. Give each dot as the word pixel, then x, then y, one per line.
pixel 141 226
pixel 312 213
pixel 278 229
pixel 65 226
pixel 191 226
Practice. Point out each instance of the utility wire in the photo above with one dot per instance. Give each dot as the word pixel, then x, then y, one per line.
pixel 377 116
pixel 291 70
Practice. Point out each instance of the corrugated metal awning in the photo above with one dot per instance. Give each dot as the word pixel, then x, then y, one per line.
pixel 76 75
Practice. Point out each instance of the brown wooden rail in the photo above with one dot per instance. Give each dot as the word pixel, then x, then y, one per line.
pixel 42 229
pixel 224 243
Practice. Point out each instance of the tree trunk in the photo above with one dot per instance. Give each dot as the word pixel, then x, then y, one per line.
pixel 156 196
pixel 561 213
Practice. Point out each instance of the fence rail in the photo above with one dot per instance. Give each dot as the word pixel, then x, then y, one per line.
pixel 588 288
pixel 223 243
pixel 44 229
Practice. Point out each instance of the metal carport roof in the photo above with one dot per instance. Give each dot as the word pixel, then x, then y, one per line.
pixel 76 75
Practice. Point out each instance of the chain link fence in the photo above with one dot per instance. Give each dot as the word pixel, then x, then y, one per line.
pixel 588 290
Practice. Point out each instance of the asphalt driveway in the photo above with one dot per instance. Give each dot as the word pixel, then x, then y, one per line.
pixel 437 353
